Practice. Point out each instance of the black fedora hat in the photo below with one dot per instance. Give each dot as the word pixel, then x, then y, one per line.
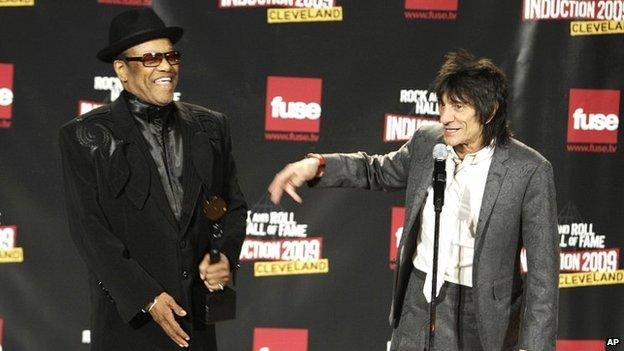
pixel 134 27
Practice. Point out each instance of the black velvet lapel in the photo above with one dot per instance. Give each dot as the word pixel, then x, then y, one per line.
pixel 198 166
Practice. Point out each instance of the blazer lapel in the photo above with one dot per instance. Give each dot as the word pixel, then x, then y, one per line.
pixel 495 178
pixel 198 166
pixel 127 129
pixel 423 171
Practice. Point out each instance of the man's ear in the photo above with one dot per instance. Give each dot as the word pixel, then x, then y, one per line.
pixel 121 70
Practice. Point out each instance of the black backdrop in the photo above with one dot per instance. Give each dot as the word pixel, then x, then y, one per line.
pixel 364 61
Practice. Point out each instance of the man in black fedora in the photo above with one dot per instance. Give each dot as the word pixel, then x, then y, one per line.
pixel 151 189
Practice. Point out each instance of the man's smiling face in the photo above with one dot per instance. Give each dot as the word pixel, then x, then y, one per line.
pixel 154 85
pixel 463 129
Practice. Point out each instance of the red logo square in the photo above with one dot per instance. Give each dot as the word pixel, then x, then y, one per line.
pixel 593 116
pixel 436 5
pixel 275 339
pixel 396 231
pixel 6 94
pixel 293 104
pixel 581 345
pixel 1 331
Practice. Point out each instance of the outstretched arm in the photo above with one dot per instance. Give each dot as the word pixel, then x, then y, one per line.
pixel 292 177
pixel 354 170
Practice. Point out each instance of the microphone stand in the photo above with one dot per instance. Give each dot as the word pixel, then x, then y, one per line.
pixel 439 181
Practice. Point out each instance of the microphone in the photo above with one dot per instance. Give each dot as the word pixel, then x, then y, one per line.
pixel 215 256
pixel 440 153
pixel 439 181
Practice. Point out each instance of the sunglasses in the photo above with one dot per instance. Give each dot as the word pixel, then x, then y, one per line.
pixel 153 59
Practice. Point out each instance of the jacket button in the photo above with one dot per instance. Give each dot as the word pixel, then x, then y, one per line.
pixel 217 231
pixel 182 244
pixel 185 274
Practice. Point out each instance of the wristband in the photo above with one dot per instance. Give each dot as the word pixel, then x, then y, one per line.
pixel 321 166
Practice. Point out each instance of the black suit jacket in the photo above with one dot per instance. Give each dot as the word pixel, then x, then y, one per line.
pixel 124 229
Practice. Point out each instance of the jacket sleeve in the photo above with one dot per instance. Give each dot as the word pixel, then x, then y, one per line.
pixel 359 170
pixel 235 219
pixel 130 286
pixel 540 237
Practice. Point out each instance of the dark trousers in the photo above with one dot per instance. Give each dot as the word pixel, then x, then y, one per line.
pixel 456 324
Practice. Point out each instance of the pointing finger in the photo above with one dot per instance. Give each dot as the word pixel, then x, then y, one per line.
pixel 290 189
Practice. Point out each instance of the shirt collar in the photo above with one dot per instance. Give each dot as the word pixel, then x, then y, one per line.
pixel 146 111
pixel 474 158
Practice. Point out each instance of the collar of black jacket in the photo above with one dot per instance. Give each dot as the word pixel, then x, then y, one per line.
pixel 146 111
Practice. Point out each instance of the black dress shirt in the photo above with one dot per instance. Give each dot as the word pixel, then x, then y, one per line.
pixel 160 127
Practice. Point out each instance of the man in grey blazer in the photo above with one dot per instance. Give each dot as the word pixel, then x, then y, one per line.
pixel 499 198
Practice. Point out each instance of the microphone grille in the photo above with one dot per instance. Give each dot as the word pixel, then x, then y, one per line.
pixel 440 152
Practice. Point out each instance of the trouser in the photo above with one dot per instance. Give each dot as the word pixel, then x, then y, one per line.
pixel 456 324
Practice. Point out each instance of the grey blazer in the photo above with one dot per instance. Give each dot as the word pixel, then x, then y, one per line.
pixel 518 209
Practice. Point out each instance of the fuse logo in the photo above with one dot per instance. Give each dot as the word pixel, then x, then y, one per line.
pixel 293 108
pixel 396 232
pixel 593 120
pixel 1 332
pixel 6 94
pixel 276 339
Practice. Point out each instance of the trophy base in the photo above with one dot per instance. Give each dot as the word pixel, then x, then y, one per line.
pixel 212 307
